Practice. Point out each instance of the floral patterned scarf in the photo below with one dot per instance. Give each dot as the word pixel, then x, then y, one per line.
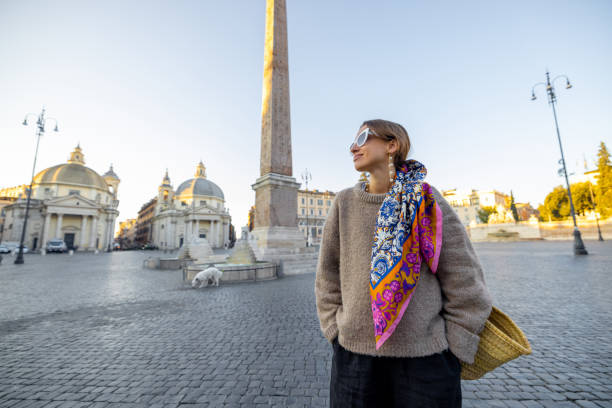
pixel 408 231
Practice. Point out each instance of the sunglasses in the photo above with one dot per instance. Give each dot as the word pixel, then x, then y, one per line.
pixel 362 138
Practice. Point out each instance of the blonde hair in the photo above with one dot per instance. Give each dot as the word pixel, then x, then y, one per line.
pixel 391 130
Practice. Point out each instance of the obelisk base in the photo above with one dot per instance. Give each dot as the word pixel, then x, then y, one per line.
pixel 272 241
pixel 276 236
pixel 286 247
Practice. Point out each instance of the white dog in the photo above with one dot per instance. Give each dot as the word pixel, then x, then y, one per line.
pixel 203 277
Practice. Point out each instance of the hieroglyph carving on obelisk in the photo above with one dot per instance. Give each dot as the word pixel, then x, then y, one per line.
pixel 276 189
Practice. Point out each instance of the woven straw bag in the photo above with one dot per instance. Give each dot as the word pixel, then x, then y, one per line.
pixel 501 340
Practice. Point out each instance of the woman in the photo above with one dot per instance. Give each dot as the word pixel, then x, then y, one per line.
pixel 400 291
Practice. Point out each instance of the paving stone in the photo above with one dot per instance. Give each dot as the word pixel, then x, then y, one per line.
pixel 104 332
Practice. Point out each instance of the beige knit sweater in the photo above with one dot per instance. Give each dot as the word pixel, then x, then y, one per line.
pixel 447 310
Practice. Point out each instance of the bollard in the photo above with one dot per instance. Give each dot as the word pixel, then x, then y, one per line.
pixel 71 252
pixel 43 252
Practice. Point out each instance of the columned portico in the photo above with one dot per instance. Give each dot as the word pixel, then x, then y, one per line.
pixel 58 226
pixel 214 224
pixel 46 230
pixel 225 233
pixel 109 235
pixel 171 239
pixel 218 225
pixel 83 235
pixel 211 234
pixel 63 197
pixel 94 233
pixel 196 208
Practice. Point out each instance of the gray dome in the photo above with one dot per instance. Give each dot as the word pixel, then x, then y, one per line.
pixel 111 173
pixel 199 186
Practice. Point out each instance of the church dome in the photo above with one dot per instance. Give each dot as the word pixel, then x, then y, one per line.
pixel 111 173
pixel 74 172
pixel 199 185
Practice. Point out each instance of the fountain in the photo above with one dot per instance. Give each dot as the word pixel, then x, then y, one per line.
pixel 241 265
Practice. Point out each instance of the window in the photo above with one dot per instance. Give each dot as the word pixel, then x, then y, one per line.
pixel 319 202
pixel 320 212
pixel 202 203
pixel 311 211
pixel 311 202
pixel 302 211
pixel 302 200
pixel 74 192
pixel 328 202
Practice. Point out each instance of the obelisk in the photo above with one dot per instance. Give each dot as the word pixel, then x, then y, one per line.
pixel 276 230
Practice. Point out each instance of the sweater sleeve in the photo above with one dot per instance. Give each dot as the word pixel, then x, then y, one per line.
pixel 327 280
pixel 467 301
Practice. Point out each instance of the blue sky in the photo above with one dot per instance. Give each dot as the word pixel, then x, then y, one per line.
pixel 159 84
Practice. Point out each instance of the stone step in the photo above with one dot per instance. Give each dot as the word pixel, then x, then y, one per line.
pixel 299 272
pixel 299 261
pixel 298 266
pixel 313 255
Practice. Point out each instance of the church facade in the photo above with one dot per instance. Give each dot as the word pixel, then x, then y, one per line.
pixel 70 202
pixel 195 210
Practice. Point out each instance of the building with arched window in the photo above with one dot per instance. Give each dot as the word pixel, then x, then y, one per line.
pixel 69 201
pixel 195 210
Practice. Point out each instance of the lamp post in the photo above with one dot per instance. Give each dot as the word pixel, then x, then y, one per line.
pixel 306 177
pixel 579 248
pixel 40 129
pixel 600 238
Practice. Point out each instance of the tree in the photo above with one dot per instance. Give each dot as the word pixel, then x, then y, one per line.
pixel 484 212
pixel 513 208
pixel 556 204
pixel 582 197
pixel 603 190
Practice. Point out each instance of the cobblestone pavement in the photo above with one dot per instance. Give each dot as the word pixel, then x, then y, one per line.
pixel 101 331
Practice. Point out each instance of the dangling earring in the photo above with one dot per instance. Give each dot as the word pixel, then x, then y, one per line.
pixel 391 169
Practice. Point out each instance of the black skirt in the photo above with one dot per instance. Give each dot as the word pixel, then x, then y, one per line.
pixel 359 380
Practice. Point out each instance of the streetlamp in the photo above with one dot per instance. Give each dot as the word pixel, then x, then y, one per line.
pixel 40 129
pixel 579 248
pixel 306 177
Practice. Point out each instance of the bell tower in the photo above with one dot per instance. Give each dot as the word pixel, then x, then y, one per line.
pixel 165 194
pixel 77 156
pixel 200 170
pixel 111 179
